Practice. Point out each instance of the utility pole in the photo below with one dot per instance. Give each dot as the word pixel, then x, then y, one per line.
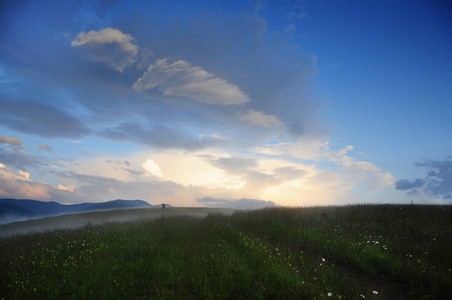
pixel 163 214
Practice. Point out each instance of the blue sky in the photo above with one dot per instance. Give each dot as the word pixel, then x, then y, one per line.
pixel 204 103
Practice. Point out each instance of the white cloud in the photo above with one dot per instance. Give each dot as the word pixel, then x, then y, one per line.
pixel 184 80
pixel 151 168
pixel 13 175
pixel 369 175
pixel 301 148
pixel 17 184
pixel 362 176
pixel 109 46
pixel 260 118
pixel 69 188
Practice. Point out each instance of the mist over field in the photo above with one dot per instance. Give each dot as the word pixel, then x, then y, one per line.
pixel 71 221
pixel 342 252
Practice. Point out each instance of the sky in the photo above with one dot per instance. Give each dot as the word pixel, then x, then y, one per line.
pixel 241 104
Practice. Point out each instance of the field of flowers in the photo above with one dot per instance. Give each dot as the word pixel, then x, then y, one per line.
pixel 353 252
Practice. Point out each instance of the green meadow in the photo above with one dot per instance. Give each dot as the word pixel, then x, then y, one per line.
pixel 350 252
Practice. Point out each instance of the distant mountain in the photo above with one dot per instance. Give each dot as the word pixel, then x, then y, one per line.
pixel 22 209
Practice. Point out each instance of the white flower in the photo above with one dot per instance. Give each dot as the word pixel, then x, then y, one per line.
pixel 375 292
pixel 330 294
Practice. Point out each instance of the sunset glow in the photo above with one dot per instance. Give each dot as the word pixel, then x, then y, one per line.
pixel 198 104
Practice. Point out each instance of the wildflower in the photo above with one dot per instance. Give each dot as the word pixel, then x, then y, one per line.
pixel 375 292
pixel 362 296
pixel 323 259
pixel 330 294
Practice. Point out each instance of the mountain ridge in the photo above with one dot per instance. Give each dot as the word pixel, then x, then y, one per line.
pixel 23 209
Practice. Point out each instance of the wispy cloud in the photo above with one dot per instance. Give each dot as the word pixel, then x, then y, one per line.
pixel 260 118
pixel 21 160
pixel 159 136
pixel 41 119
pixel 184 80
pixel 13 140
pixel 44 147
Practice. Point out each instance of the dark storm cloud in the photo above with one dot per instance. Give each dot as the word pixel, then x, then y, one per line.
pixel 438 182
pixel 238 204
pixel 40 119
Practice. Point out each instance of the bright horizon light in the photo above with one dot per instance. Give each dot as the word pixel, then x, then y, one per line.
pixel 263 103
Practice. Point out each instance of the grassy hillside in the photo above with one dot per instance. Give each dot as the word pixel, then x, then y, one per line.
pixel 392 252
pixel 101 217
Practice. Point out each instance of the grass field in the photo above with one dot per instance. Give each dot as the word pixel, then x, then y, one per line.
pixel 353 252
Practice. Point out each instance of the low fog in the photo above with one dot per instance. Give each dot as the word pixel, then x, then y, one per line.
pixel 102 217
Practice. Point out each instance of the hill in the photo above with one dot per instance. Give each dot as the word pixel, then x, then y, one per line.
pixel 354 252
pixel 23 209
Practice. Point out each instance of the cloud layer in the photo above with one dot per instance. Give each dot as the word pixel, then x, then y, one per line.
pixel 113 100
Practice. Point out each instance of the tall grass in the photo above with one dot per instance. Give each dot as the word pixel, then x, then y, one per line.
pixel 302 253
